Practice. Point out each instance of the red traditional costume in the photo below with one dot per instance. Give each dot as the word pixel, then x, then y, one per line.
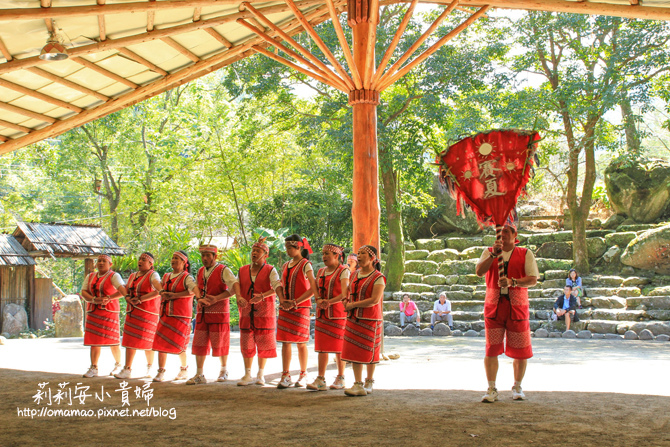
pixel 506 315
pixel 330 322
pixel 174 326
pixel 212 323
pixel 102 320
pixel 139 329
pixel 293 325
pixel 363 330
pixel 257 321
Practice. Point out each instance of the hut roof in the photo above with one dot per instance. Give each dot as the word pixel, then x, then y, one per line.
pixel 125 51
pixel 12 253
pixel 69 241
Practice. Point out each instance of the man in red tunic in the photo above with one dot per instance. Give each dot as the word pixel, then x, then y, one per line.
pixel 212 324
pixel 506 310
pixel 259 283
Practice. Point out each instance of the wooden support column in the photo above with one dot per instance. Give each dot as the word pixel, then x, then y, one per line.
pixel 363 19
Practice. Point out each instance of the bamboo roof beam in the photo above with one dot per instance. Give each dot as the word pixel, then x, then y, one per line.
pixel 394 42
pixel 150 19
pixel 14 126
pixel 3 138
pixel 37 95
pixel 322 68
pixel 196 13
pixel 169 82
pixel 91 66
pixel 101 23
pixel 140 60
pixel 416 44
pixel 5 52
pixel 74 86
pixel 28 113
pixel 358 82
pixel 332 78
pixel 45 3
pixel 370 47
pixel 181 49
pixel 390 79
pixel 112 44
pixel 222 40
pixel 321 44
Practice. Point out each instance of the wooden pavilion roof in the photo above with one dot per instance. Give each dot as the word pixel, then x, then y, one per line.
pixel 125 51
pixel 12 253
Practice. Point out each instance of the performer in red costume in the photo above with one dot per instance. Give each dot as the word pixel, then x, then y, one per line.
pixel 364 327
pixel 506 310
pixel 143 305
pixel 333 283
pixel 259 283
pixel 216 283
pixel 101 291
pixel 293 324
pixel 174 325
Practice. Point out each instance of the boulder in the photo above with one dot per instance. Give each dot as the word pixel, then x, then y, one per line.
pixel 555 335
pixel 423 267
pixel 628 292
pixel 466 267
pixel 612 255
pixel 446 254
pixel 663 337
pixel 553 283
pixel 544 264
pixel 540 238
pixel 605 302
pixel 441 330
pixel 14 319
pixel 584 335
pixel 657 328
pixel 392 330
pixel 471 333
pixel 598 336
pixel 641 192
pixel 69 320
pixel 649 302
pixel 613 337
pixel 555 250
pixel 608 281
pixel 416 288
pixel 556 274
pixel 412 277
pixel 461 244
pixel 429 244
pixel 635 281
pixel 596 246
pixel 416 255
pixel 650 250
pixel 435 280
pixel 620 239
pixel 410 330
pixel 613 221
pixel 541 333
pixel 659 291
pixel 471 279
pixel 646 334
pixel 427 332
pixel 569 334
pixel 602 327
pixel 630 335
pixel 457 333
pixel 409 245
pixel 482 333
pixel 472 252
pixel 477 326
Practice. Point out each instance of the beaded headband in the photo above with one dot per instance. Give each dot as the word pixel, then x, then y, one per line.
pixel 209 249
pixel 262 245
pixel 333 248
pixel 149 257
pixel 105 256
pixel 180 255
pixel 369 251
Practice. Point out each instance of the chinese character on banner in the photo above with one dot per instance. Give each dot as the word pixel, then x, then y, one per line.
pixel 124 388
pixel 147 392
pixel 80 393
pixel 63 395
pixel 43 394
pixel 102 395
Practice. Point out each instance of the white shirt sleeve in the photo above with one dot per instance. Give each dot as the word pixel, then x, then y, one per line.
pixel 229 278
pixel 447 306
pixel 436 305
pixel 85 287
pixel 380 280
pixel 346 274
pixel 117 281
pixel 190 283
pixel 531 265
pixel 275 281
pixel 485 255
pixel 307 268
pixel 156 280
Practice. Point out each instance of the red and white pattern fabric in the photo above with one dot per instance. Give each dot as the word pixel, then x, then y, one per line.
pixel 102 321
pixel 293 325
pixel 258 321
pixel 329 326
pixel 212 327
pixel 174 325
pixel 139 329
pixel 363 330
pixel 214 337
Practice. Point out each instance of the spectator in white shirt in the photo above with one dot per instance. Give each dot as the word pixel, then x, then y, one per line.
pixel 442 311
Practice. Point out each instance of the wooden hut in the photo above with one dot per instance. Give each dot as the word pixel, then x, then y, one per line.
pixel 17 274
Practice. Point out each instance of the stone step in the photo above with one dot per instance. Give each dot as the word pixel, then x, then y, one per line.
pixel 648 303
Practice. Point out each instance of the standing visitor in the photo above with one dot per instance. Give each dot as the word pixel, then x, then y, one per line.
pixel 174 325
pixel 259 283
pixel 217 284
pixel 333 283
pixel 101 293
pixel 294 315
pixel 364 327
pixel 506 308
pixel 143 304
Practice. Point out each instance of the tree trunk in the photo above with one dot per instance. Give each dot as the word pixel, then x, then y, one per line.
pixel 629 122
pixel 395 263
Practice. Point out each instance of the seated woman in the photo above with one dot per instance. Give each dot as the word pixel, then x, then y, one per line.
pixel 575 282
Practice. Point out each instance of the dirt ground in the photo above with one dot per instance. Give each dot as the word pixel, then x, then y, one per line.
pixel 586 393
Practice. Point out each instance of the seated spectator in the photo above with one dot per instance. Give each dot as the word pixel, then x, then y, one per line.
pixel 442 312
pixel 565 307
pixel 409 312
pixel 575 281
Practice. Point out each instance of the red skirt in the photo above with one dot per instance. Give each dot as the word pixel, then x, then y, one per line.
pixel 329 335
pixel 172 334
pixel 139 330
pixel 362 340
pixel 293 325
pixel 102 328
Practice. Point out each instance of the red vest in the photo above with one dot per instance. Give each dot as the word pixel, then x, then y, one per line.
pixel 218 312
pixel 139 286
pixel 296 283
pixel 516 268
pixel 361 289
pixel 263 314
pixel 329 287
pixel 180 307
pixel 99 287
